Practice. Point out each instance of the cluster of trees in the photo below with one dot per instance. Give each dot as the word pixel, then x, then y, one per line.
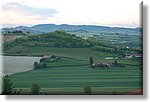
pixel 37 65
pixel 16 42
pixel 108 49
pixel 58 39
pixel 15 32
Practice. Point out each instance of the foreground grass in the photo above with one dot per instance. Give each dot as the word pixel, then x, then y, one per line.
pixel 74 78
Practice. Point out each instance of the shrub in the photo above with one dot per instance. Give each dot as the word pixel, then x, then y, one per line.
pixel 35 89
pixel 87 90
pixel 44 65
pixel 36 65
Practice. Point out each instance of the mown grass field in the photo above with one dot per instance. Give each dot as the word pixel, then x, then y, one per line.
pixel 59 78
pixel 78 53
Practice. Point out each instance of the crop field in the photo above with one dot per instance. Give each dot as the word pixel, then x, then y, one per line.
pixel 7 38
pixel 16 64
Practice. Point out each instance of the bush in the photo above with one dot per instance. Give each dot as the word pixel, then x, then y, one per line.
pixel 36 65
pixel 87 90
pixel 35 89
pixel 44 65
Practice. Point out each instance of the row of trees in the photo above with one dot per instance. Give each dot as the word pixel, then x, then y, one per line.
pixel 37 65
pixel 108 49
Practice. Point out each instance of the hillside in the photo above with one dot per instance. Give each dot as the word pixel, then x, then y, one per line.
pixel 57 39
pixel 72 72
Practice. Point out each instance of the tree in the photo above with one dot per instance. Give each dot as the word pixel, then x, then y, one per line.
pixel 87 90
pixel 8 87
pixel 115 63
pixel 91 60
pixel 35 89
pixel 36 65
pixel 44 65
pixel 28 32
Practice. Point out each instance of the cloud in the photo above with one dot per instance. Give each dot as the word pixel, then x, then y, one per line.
pixel 40 13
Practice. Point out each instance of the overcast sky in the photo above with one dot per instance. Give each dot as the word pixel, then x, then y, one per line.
pixel 114 13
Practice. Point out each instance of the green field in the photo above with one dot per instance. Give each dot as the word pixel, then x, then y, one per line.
pixel 79 53
pixel 72 73
pixel 69 76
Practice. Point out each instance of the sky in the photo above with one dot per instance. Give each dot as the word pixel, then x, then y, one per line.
pixel 113 13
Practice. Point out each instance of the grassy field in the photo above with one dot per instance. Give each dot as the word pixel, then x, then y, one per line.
pixel 74 78
pixel 69 76
pixel 72 72
pixel 79 53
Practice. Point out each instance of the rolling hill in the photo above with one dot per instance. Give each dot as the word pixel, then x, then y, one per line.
pixel 45 28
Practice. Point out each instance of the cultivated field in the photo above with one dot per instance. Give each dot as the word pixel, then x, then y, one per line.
pixel 16 64
pixel 7 38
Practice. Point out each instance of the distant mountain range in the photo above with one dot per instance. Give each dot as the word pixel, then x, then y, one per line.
pixel 45 28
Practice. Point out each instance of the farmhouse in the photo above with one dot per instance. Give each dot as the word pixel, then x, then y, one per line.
pixel 138 55
pixel 110 58
pixel 108 64
pixel 129 56
pixel 50 58
pixel 133 55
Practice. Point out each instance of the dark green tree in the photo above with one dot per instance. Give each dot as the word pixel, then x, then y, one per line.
pixel 28 32
pixel 91 60
pixel 36 65
pixel 44 65
pixel 115 63
pixel 8 87
pixel 87 90
pixel 35 89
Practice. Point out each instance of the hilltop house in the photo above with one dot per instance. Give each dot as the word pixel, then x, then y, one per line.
pixel 50 58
